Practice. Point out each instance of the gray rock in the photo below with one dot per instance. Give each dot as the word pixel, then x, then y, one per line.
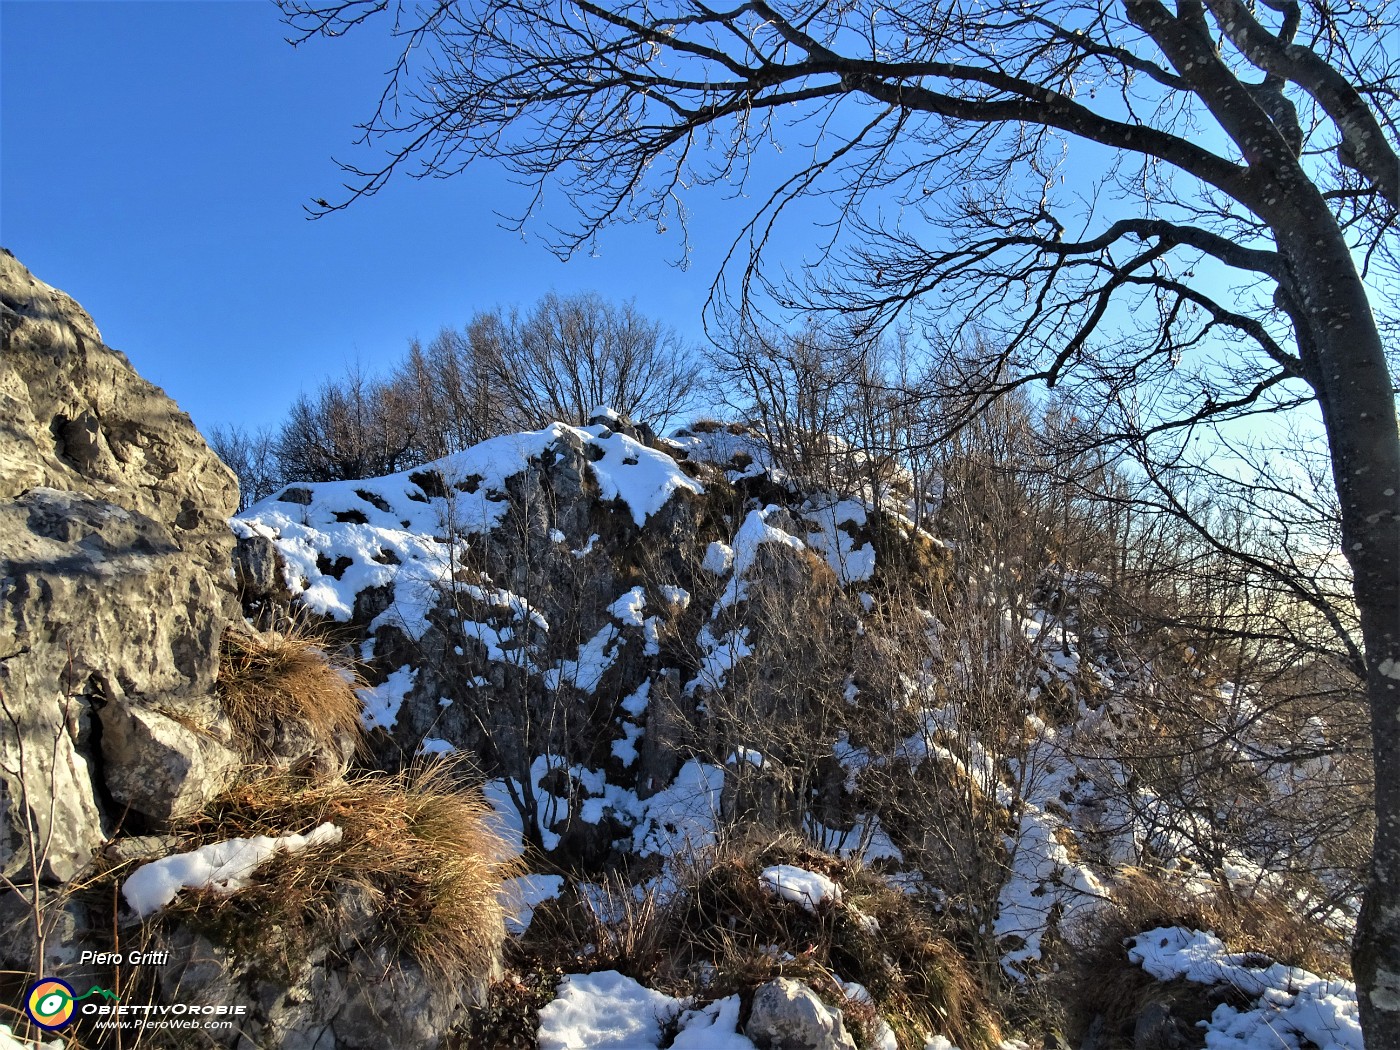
pixel 397 1006
pixel 757 795
pixel 161 767
pixel 258 568
pixel 64 922
pixel 201 973
pixel 114 567
pixel 787 1015
pixel 1158 1028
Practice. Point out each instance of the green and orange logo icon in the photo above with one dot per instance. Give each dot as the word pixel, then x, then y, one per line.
pixel 50 1002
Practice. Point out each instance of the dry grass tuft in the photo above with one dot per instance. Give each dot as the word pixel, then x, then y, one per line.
pixel 418 871
pixel 1102 983
pixel 275 686
pixel 724 933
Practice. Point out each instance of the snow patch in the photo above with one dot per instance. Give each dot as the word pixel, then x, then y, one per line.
pixel 222 866
pixel 807 888
pixel 628 609
pixel 382 702
pixel 1291 1005
pixel 605 1011
pixel 526 893
pixel 713 1027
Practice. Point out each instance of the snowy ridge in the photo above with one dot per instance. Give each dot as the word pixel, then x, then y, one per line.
pixel 338 539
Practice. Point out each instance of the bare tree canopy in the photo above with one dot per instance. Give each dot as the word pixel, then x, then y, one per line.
pixel 569 355
pixel 1236 187
pixel 511 370
pixel 355 427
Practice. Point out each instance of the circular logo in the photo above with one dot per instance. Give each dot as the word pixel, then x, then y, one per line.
pixel 49 1002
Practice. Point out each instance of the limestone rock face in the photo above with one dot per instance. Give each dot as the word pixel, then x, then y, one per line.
pixel 159 766
pixel 115 580
pixel 787 1015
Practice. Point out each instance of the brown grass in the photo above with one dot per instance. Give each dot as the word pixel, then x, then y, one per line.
pixel 628 933
pixel 417 855
pixel 722 933
pixel 272 684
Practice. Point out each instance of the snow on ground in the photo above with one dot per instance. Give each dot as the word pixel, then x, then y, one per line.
pixel 807 888
pixel 850 562
pixel 1046 882
pixel 752 534
pixel 1290 1005
pixel 634 707
pixel 675 596
pixel 10 1041
pixel 865 839
pixel 713 1027
pixel 745 755
pixel 505 818
pixel 625 750
pixel 741 455
pixel 223 866
pixel 683 817
pixel 718 558
pixel 382 702
pixel 651 481
pixel 595 657
pixel 718 656
pixel 607 1011
pixel 628 609
pixel 679 819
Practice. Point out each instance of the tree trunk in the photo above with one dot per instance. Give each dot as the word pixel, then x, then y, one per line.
pixel 1344 354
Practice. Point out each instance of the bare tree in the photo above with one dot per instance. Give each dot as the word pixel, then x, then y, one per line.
pixel 569 355
pixel 449 395
pixel 820 401
pixel 356 427
pixel 1247 184
pixel 252 456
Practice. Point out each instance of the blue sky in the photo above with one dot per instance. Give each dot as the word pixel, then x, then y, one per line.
pixel 154 163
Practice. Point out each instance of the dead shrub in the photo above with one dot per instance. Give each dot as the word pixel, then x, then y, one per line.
pixel 275 685
pixel 607 926
pixel 418 871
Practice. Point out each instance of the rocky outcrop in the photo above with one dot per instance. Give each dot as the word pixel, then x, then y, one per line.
pixel 335 996
pixel 566 606
pixel 114 585
pixel 116 591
